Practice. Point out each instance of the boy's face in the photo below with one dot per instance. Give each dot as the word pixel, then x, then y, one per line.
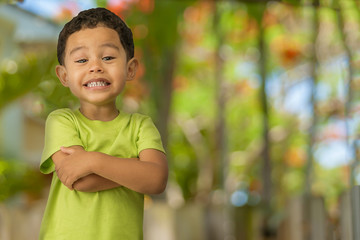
pixel 95 66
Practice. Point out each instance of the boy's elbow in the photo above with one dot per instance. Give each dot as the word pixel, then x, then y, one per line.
pixel 158 187
pixel 82 186
pixel 155 191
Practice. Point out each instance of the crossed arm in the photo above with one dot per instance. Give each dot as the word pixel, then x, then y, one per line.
pixel 94 171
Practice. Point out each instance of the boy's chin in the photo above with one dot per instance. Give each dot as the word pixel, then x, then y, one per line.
pixel 98 102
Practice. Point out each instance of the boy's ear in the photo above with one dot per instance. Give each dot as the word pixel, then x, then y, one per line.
pixel 132 67
pixel 62 75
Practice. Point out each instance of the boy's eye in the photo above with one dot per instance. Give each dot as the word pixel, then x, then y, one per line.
pixel 81 61
pixel 107 58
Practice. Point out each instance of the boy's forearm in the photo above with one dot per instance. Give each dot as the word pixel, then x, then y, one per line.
pixel 89 183
pixel 94 183
pixel 148 176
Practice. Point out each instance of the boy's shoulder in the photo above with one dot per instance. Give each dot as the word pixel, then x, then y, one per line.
pixel 138 121
pixel 67 113
pixel 62 112
pixel 62 115
pixel 137 116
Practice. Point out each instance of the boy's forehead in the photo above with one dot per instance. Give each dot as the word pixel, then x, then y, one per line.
pixel 89 37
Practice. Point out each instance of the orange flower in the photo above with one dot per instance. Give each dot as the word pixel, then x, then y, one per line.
pixel 295 157
pixel 65 14
pixel 146 6
pixel 288 50
pixel 118 8
pixel 243 87
pixel 180 83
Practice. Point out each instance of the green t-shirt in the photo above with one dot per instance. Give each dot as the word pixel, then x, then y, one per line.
pixel 110 214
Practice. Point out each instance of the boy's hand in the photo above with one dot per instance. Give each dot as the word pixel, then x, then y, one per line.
pixel 74 166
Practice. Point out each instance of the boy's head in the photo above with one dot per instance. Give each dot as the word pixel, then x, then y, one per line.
pixel 90 19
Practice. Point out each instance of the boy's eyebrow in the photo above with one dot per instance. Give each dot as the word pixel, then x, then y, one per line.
pixel 77 49
pixel 111 45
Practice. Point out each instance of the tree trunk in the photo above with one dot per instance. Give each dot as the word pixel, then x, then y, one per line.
pixel 267 231
pixel 312 129
pixel 165 99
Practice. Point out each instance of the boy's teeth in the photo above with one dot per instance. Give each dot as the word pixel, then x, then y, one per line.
pixel 97 84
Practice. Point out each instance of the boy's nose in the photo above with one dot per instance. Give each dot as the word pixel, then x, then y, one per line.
pixel 96 67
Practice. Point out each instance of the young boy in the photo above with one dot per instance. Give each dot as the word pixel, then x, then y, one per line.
pixel 103 160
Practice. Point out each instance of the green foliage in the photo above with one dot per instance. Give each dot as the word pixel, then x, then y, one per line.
pixel 54 95
pixel 159 47
pixel 36 74
pixel 293 2
pixel 19 77
pixel 184 163
pixel 330 183
pixel 18 177
pixel 101 3
pixel 256 11
pixel 10 1
pixel 185 35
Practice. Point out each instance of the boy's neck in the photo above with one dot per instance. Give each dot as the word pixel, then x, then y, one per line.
pixel 101 113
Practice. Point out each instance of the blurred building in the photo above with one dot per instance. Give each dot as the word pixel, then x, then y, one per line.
pixel 21 135
pixel 22 31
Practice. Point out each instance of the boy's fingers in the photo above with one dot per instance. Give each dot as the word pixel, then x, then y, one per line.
pixel 68 182
pixel 67 150
pixel 70 185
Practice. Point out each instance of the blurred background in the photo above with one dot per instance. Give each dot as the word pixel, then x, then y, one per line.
pixel 257 102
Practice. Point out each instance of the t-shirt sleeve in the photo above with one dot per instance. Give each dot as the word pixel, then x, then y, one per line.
pixel 148 136
pixel 60 130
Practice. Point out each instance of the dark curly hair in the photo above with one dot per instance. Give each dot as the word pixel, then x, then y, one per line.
pixel 91 18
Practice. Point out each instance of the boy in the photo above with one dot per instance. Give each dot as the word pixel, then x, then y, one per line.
pixel 103 160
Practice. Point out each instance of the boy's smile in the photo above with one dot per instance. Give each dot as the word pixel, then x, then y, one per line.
pixel 95 67
pixel 96 83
